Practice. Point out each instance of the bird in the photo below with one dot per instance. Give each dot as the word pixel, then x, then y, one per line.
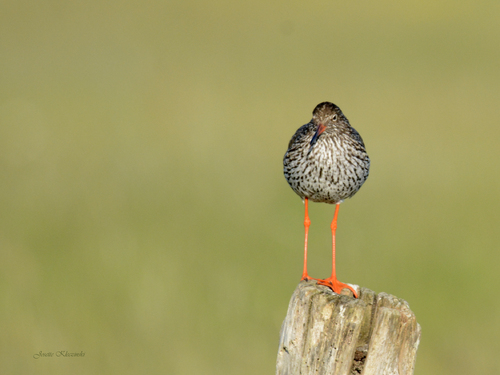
pixel 326 161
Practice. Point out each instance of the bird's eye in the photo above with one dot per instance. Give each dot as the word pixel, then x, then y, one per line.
pixel 334 118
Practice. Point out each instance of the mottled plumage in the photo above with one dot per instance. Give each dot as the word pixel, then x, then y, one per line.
pixel 334 166
pixel 326 161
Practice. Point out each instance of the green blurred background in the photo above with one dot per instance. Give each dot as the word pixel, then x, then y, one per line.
pixel 145 219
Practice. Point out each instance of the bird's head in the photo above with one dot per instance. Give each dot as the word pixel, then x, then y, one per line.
pixel 326 115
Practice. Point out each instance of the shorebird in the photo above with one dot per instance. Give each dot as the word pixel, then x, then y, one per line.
pixel 326 161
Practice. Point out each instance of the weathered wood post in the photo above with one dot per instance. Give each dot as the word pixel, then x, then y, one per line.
pixel 325 333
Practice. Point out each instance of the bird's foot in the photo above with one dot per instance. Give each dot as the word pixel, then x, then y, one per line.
pixel 336 285
pixel 306 277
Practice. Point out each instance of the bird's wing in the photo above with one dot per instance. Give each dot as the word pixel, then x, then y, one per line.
pixel 300 133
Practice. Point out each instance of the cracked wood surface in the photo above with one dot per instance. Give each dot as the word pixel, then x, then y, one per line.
pixel 327 333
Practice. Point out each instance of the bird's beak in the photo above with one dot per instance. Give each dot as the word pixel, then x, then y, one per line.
pixel 321 129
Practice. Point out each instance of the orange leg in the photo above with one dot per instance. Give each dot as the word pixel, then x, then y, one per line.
pixel 332 281
pixel 307 223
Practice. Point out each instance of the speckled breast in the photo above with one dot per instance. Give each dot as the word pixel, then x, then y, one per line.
pixel 333 171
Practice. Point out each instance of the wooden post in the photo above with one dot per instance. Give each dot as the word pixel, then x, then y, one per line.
pixel 330 334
